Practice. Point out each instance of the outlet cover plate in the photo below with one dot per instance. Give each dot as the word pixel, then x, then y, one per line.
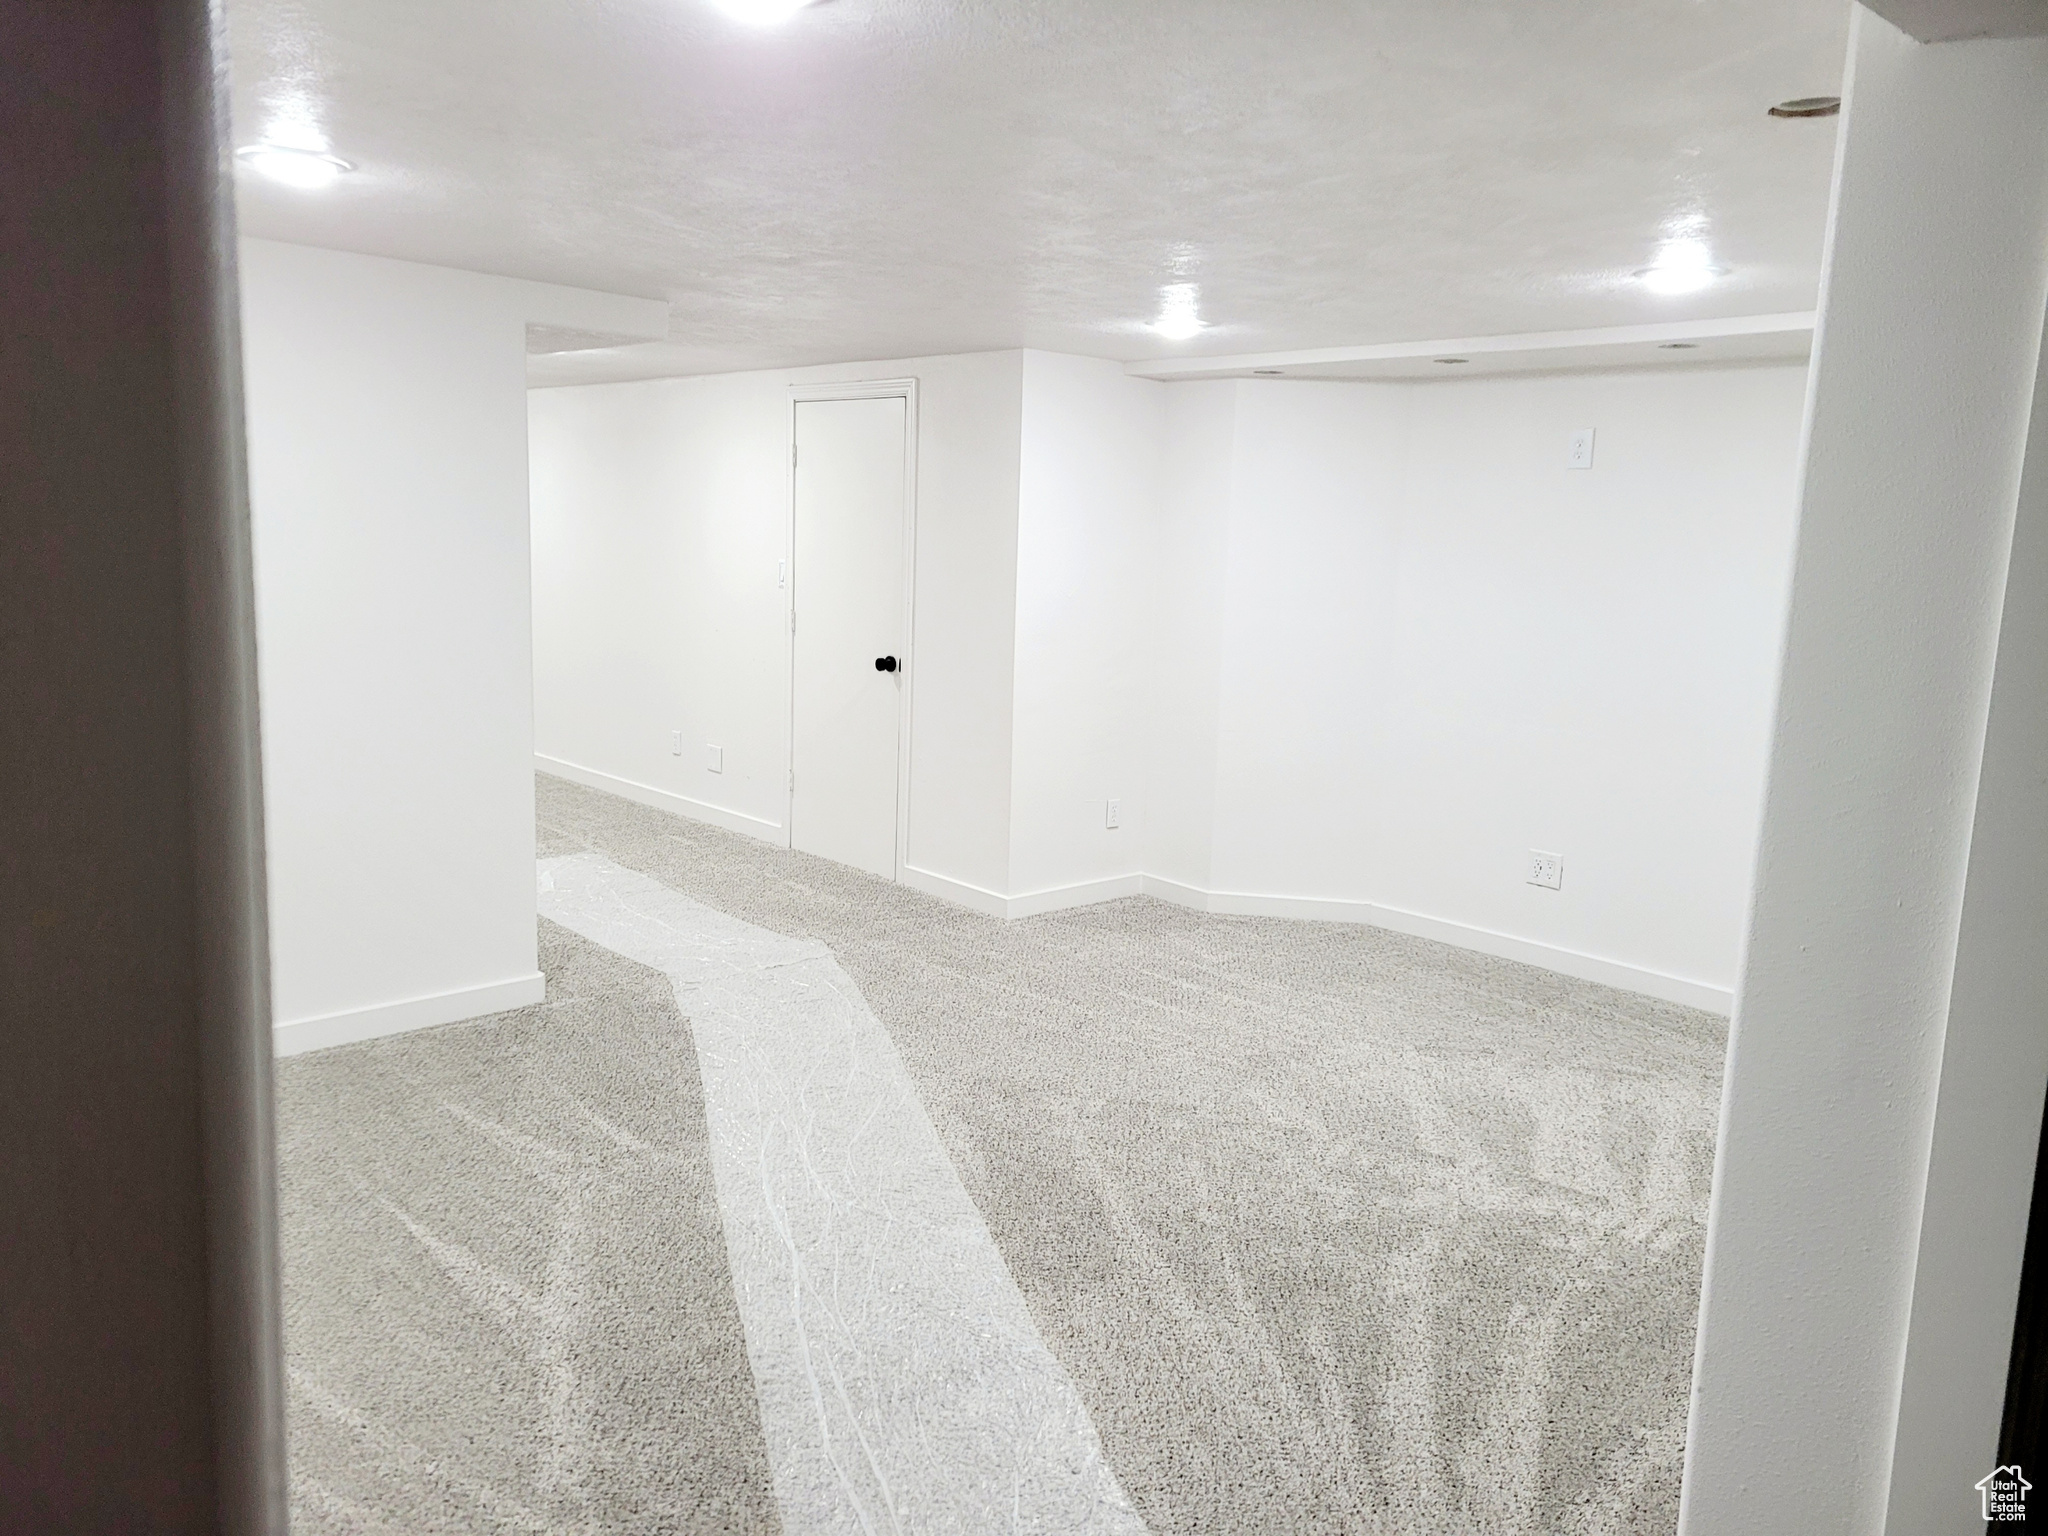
pixel 1546 870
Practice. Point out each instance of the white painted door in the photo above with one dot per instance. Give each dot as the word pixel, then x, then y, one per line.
pixel 847 594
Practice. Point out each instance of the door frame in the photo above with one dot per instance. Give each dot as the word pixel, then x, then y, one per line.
pixel 860 389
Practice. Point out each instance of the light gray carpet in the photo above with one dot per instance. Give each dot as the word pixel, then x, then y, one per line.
pixel 903 1384
pixel 1333 1229
pixel 507 1305
pixel 1337 1230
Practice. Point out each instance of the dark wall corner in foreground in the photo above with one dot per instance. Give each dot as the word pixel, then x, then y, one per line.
pixel 138 1313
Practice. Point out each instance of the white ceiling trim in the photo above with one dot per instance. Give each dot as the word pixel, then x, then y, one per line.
pixel 1781 335
pixel 561 318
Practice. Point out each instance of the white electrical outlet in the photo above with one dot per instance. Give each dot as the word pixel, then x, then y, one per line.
pixel 1546 870
pixel 714 759
pixel 1580 455
pixel 1113 814
pixel 675 743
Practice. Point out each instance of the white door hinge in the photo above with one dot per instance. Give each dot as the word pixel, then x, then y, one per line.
pixel 792 621
pixel 792 781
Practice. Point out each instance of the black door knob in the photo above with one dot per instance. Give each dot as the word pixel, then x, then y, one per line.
pixel 885 663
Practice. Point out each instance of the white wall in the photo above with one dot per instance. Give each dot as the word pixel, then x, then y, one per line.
pixel 1985 1142
pixel 1855 1310
pixel 1088 504
pixel 1439 648
pixel 1185 656
pixel 388 484
pixel 1341 650
pixel 660 510
pixel 659 513
pixel 964 652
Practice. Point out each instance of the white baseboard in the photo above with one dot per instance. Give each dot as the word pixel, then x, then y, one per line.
pixel 1086 894
pixel 959 892
pixel 1612 973
pixel 1180 895
pixel 662 799
pixel 1058 899
pixel 380 1019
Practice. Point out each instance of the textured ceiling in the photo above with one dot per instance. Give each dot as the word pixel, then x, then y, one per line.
pixel 891 178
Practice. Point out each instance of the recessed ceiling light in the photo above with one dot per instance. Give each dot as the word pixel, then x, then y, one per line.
pixel 1179 316
pixel 1450 360
pixel 1677 346
pixel 1682 266
pixel 1266 373
pixel 307 168
pixel 1808 106
pixel 763 13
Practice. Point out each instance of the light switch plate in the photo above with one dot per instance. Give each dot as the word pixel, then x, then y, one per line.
pixel 714 759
